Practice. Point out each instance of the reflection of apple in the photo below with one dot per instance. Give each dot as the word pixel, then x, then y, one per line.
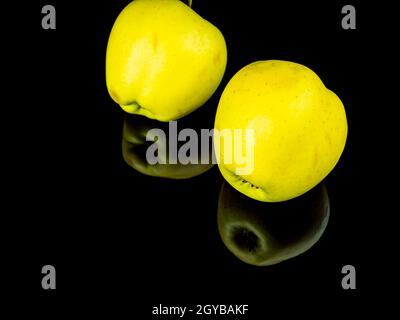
pixel 262 234
pixel 134 146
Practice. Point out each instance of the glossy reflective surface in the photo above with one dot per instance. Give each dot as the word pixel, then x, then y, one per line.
pixel 263 234
pixel 135 147
pixel 129 241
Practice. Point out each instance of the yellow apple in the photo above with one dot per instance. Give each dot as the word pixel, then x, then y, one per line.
pixel 299 129
pixel 163 60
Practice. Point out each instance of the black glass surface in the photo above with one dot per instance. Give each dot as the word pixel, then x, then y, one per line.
pixel 123 241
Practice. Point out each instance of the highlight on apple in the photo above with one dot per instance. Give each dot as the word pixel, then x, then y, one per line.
pixel 236 146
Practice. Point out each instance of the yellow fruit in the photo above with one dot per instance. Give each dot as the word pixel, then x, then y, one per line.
pixel 163 60
pixel 299 125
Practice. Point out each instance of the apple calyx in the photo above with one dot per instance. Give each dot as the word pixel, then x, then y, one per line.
pixel 135 108
pixel 244 181
pixel 244 185
pixel 249 183
pixel 245 239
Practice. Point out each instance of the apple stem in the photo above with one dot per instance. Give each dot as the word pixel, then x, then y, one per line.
pixel 190 3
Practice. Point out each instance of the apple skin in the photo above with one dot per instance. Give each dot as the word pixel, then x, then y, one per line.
pixel 299 126
pixel 263 234
pixel 163 60
pixel 134 146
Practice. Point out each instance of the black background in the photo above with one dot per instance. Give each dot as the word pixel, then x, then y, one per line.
pixel 123 242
